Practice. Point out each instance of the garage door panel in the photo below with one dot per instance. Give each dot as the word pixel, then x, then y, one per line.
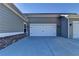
pixel 75 29
pixel 43 30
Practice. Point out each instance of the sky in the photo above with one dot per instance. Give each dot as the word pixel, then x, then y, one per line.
pixel 48 7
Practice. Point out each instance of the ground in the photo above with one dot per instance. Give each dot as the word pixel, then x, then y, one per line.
pixel 43 46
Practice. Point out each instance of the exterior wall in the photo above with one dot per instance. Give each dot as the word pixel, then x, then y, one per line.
pixel 59 27
pixel 15 8
pixel 8 40
pixel 10 25
pixel 9 21
pixel 42 15
pixel 64 27
pixel 71 27
pixel 43 19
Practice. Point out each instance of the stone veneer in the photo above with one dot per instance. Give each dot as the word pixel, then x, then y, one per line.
pixel 8 40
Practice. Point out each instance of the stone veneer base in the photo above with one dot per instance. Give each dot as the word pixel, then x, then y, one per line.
pixel 6 41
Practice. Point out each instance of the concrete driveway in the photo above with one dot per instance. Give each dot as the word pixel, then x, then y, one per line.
pixel 43 46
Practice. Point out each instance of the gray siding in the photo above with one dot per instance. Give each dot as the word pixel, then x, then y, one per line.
pixel 64 27
pixel 43 19
pixel 15 8
pixel 59 27
pixel 74 19
pixel 71 27
pixel 9 21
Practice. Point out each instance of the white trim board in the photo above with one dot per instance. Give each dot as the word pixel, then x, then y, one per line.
pixel 10 34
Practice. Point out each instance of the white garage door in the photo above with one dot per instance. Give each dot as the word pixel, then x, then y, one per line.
pixel 42 29
pixel 75 29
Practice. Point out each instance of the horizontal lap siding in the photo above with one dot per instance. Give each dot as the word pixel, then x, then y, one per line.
pixel 71 27
pixel 9 21
pixel 43 19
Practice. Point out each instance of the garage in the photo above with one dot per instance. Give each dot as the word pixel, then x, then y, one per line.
pixel 43 24
pixel 75 29
pixel 42 29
